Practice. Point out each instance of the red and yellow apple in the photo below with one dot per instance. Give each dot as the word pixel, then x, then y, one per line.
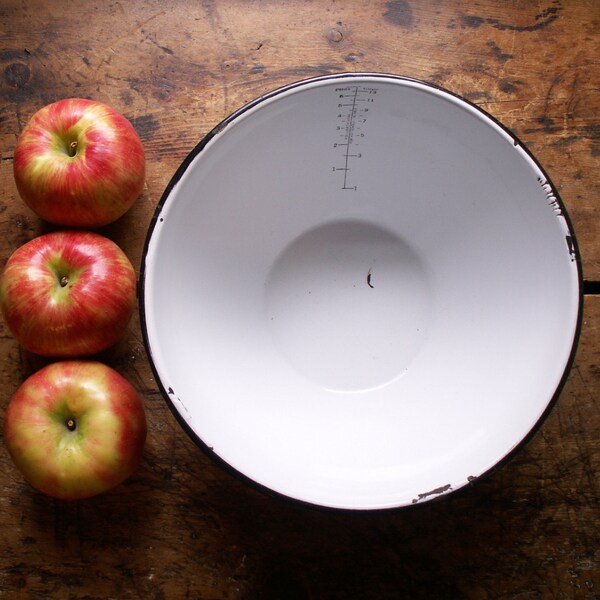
pixel 68 293
pixel 79 163
pixel 75 429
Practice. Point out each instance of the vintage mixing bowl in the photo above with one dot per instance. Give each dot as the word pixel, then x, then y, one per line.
pixel 360 291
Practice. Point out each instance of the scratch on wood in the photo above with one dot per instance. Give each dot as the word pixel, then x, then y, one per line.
pixel 105 53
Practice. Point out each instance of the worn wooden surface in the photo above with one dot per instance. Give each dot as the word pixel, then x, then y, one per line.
pixel 184 528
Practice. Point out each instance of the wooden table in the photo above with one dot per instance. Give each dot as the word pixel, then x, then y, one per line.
pixel 182 527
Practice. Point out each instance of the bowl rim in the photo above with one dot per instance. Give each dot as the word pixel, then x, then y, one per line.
pixel 435 495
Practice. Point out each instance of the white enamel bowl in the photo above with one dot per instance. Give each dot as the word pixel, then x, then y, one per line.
pixel 360 292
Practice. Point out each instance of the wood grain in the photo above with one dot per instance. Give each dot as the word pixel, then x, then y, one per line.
pixel 183 527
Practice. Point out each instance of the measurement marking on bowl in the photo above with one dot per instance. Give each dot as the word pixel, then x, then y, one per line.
pixel 354 105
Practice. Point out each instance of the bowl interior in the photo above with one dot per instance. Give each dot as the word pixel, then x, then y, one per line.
pixel 360 292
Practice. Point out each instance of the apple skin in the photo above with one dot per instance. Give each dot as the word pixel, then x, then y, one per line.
pixel 79 163
pixel 68 293
pixel 75 429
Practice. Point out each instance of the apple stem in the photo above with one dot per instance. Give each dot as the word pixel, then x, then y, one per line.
pixel 71 424
pixel 63 281
pixel 73 148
